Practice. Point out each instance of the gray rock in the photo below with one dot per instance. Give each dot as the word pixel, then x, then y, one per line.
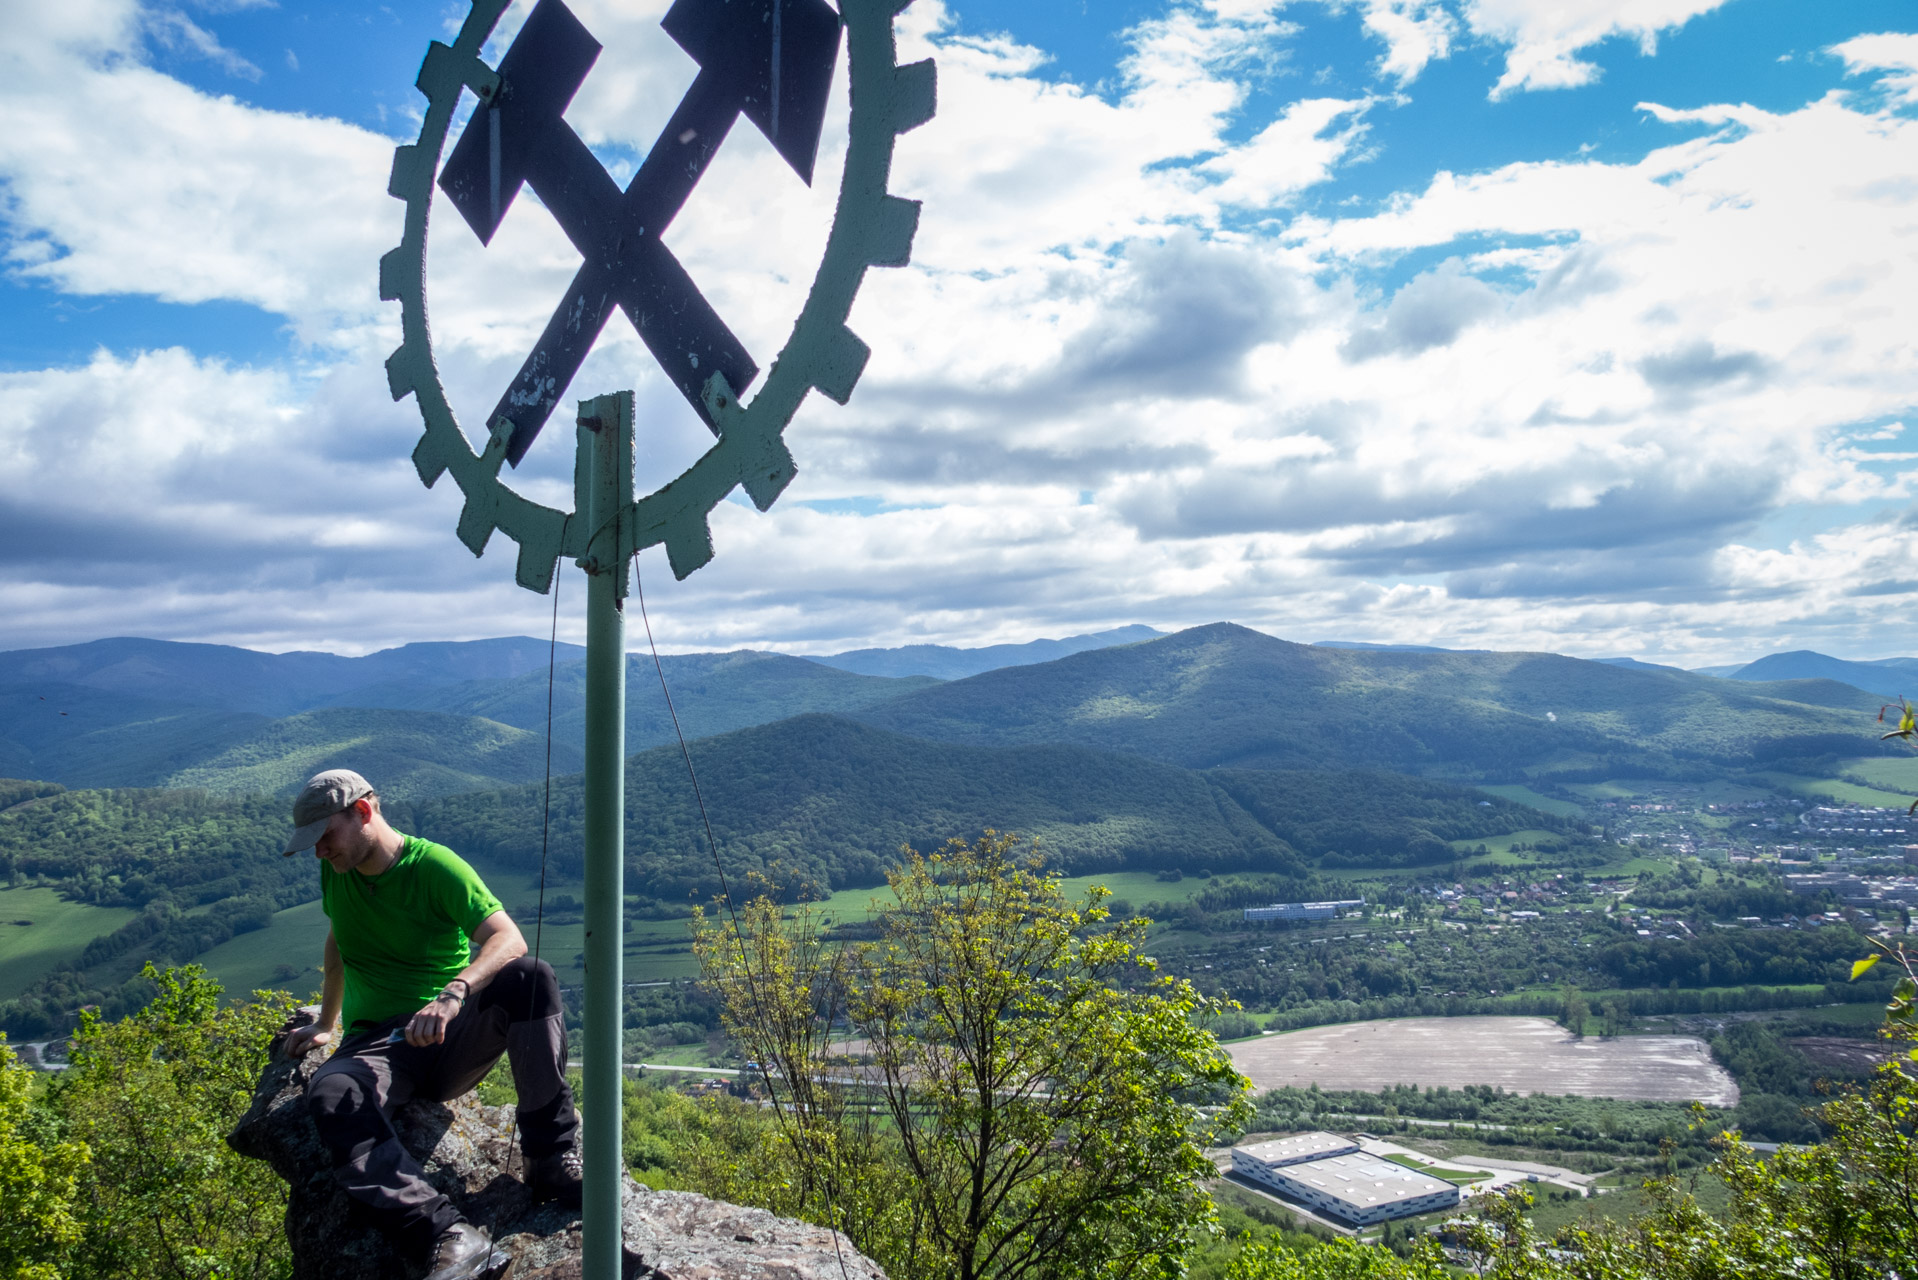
pixel 466 1151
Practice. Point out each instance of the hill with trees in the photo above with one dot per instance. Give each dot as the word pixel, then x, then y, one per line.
pixel 1226 696
pixel 275 684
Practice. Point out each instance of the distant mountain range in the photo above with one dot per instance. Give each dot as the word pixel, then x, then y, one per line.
pixel 1224 695
pixel 428 720
pixel 273 684
pixel 1885 677
pixel 945 663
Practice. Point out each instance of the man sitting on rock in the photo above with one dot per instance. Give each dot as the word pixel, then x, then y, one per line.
pixel 426 1016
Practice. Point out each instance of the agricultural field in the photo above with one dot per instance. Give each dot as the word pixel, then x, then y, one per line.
pixel 40 931
pixel 1836 790
pixel 1894 775
pixel 1522 1055
pixel 1526 796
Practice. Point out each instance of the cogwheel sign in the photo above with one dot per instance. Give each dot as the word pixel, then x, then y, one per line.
pixel 769 60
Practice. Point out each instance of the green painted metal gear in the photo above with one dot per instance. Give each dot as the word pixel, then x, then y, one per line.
pixel 870 228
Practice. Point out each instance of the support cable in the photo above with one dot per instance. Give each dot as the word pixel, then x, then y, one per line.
pixel 545 828
pixel 725 889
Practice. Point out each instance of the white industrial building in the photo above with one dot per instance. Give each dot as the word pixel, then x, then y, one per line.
pixel 1330 1174
pixel 1276 1152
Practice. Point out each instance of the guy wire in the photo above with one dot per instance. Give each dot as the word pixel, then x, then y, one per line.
pixel 725 888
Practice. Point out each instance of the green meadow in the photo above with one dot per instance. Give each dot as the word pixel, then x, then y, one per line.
pixel 40 931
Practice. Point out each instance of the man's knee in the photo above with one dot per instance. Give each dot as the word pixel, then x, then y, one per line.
pixel 528 989
pixel 346 1112
pixel 332 1093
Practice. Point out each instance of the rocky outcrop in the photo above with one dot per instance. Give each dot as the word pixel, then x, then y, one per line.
pixel 465 1149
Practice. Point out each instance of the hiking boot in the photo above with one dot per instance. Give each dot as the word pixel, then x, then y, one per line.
pixel 557 1177
pixel 463 1252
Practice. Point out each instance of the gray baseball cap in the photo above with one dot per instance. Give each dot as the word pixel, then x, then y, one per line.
pixel 324 795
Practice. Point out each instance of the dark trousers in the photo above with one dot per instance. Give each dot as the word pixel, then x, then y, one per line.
pixel 353 1097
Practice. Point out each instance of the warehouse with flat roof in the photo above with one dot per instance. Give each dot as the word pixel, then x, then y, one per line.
pixel 1292 1149
pixel 1350 1186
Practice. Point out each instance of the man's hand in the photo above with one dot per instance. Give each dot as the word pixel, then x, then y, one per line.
pixel 428 1026
pixel 303 1040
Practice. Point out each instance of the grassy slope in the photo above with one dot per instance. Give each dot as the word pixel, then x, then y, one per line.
pixel 412 754
pixel 712 692
pixel 1225 695
pixel 58 932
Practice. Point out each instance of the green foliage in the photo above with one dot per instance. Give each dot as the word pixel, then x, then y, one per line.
pixel 1452 970
pixel 1223 695
pixel 1369 819
pixel 1041 1119
pixel 712 692
pixel 20 790
pixel 813 802
pixel 409 754
pixel 128 847
pixel 1342 1259
pixel 200 868
pixel 39 1181
pixel 152 1098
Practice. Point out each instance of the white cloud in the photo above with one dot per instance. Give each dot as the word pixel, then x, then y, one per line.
pixel 1546 36
pixel 1565 423
pixel 1893 52
pixel 1290 154
pixel 123 180
pixel 1416 33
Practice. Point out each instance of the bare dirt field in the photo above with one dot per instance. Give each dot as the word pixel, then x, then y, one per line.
pixel 1846 1057
pixel 1524 1055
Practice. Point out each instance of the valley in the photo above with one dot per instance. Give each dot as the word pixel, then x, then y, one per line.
pixel 1529 835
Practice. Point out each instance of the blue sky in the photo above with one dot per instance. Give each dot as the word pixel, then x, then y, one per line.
pixel 1555 324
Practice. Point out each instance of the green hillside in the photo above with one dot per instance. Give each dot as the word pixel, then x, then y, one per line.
pixel 226 678
pixel 712 692
pixel 407 754
pixel 92 737
pixel 815 803
pixel 1223 695
pixel 827 802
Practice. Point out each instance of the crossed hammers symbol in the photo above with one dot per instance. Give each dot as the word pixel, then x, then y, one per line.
pixel 771 60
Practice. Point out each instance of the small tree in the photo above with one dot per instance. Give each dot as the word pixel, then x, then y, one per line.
pixel 1047 1094
pixel 39 1176
pixel 1574 1011
pixel 153 1097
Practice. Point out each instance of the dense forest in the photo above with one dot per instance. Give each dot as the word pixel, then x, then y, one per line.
pixel 1370 819
pixel 1226 696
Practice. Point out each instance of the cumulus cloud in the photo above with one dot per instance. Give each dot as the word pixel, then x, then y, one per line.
pixel 1546 38
pixel 123 180
pixel 1124 380
pixel 1415 32
pixel 1895 53
pixel 1429 312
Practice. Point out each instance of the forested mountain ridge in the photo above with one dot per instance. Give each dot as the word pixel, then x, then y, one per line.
pixel 1884 677
pixel 277 684
pixel 1215 696
pixel 107 742
pixel 1226 696
pixel 946 662
pixel 827 802
pixel 712 693
pixel 815 803
pixel 445 738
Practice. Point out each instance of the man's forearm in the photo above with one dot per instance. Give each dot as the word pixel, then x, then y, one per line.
pixel 332 986
pixel 498 951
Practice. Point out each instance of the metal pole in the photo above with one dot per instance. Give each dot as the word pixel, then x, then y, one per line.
pixel 609 435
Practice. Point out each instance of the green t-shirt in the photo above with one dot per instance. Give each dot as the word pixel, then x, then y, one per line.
pixel 403 933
